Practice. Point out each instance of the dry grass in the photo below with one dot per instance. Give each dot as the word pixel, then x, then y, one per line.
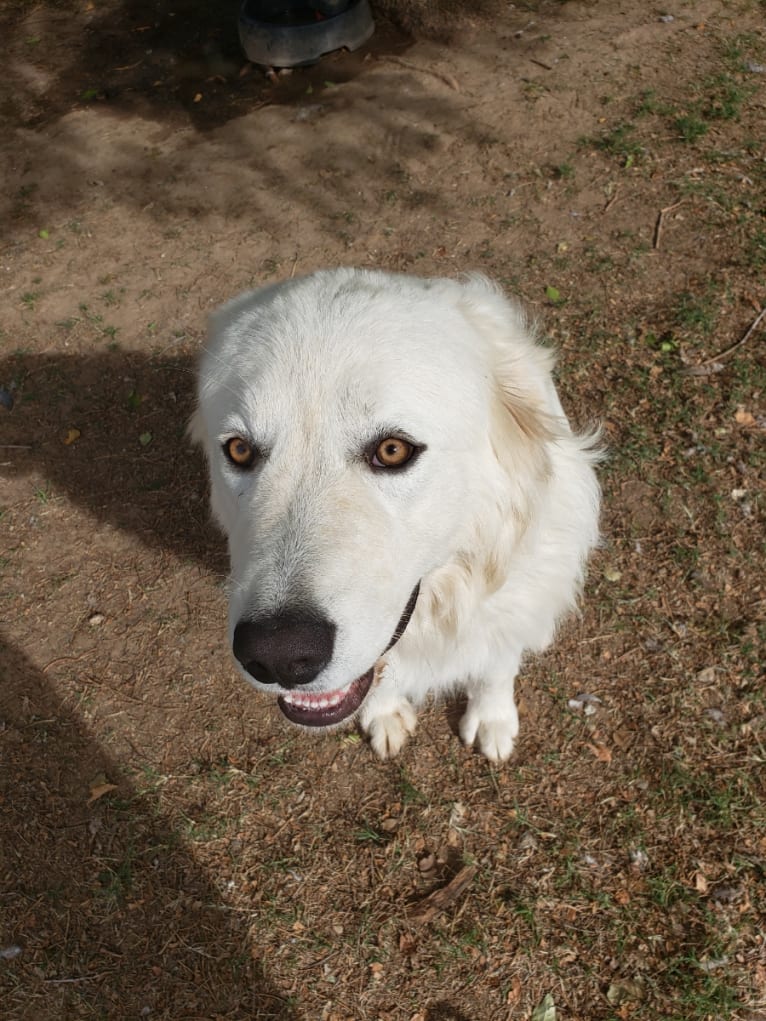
pixel 169 848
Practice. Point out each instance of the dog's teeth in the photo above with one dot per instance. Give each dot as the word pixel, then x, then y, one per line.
pixel 312 701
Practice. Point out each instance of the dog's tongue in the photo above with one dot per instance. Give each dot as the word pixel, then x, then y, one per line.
pixel 325 709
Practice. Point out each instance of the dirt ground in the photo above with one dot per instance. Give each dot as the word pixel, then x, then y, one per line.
pixel 169 847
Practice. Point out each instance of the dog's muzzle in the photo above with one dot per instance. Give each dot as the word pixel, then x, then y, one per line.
pixel 291 649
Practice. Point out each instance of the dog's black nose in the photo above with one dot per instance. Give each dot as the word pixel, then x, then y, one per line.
pixel 286 648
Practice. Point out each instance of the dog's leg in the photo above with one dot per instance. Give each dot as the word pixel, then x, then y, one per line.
pixel 388 719
pixel 490 719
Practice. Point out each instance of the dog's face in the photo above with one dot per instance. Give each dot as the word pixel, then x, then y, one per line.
pixel 346 421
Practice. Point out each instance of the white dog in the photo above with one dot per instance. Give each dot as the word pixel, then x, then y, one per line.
pixel 407 508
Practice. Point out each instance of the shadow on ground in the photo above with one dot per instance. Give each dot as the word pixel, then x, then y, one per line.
pixel 104 911
pixel 179 61
pixel 109 431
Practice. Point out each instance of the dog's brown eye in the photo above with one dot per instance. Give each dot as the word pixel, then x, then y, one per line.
pixel 239 452
pixel 392 452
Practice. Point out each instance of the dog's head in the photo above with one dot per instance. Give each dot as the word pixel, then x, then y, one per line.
pixel 376 446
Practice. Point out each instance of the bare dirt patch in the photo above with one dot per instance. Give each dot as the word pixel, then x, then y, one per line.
pixel 170 848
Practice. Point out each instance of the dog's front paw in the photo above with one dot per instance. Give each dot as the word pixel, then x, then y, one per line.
pixel 389 730
pixel 493 733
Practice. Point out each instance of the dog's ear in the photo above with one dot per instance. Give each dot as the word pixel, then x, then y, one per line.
pixel 521 429
pixel 525 413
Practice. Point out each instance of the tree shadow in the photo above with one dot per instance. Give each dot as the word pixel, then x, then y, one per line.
pixel 104 911
pixel 109 430
pixel 80 78
pixel 179 62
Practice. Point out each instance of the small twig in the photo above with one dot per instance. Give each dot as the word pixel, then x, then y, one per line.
pixel 612 200
pixel 743 340
pixel 82 978
pixel 442 76
pixel 659 224
pixel 63 659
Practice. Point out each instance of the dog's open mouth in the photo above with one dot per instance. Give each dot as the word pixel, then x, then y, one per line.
pixel 327 708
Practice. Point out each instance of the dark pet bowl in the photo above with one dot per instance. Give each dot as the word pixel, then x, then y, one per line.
pixel 296 34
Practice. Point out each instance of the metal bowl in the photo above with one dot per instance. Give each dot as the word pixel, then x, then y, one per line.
pixel 296 34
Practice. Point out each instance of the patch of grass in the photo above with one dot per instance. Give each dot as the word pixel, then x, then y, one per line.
pixel 689 127
pixel 68 324
pixel 367 834
pixel 409 792
pixel 725 97
pixel 648 104
pixel 755 250
pixel 701 994
pixel 209 826
pixel 738 46
pixel 116 881
pixel 717 802
pixel 620 142
pixel 697 313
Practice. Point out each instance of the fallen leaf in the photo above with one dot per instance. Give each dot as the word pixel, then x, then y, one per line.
pixel 457 815
pixel 198 97
pixel 626 990
pixel 713 964
pixel 427 863
pixel 743 417
pixel 514 993
pixel 98 790
pixel 584 701
pixel 602 753
pixel 453 837
pixel 545 1010
pixel 638 859
pixel 528 841
pixel 72 436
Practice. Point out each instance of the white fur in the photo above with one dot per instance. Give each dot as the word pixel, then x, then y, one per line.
pixel 495 518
